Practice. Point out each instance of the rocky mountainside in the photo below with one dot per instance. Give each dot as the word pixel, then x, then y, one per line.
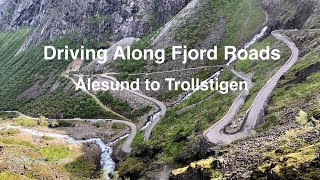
pixel 174 141
pixel 296 14
pixel 94 23
pixel 100 21
pixel 286 145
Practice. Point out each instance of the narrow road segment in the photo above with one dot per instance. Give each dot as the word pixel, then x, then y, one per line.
pixel 215 133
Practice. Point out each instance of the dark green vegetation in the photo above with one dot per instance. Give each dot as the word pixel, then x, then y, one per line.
pixel 299 87
pixel 24 156
pixel 242 16
pixel 178 137
pixel 126 67
pixel 293 118
pixel 84 167
pixel 121 106
pixel 295 157
pixel 305 78
pixel 262 71
pixel 4 115
pixel 63 160
pixel 240 19
pixel 32 85
pixel 181 125
pixel 138 139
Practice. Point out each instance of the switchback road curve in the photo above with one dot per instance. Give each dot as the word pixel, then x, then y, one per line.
pixel 215 133
pixel 126 147
pixel 162 106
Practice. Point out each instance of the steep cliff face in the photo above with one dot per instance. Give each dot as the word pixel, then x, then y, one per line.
pixel 31 85
pixel 286 145
pixel 178 138
pixel 93 23
pixel 297 14
pixel 168 8
pixel 203 24
pixel 92 20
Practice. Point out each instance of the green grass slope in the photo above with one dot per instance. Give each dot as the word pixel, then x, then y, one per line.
pixel 177 140
pixel 27 81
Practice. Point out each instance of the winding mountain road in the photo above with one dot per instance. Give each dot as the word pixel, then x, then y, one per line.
pixel 256 111
pixel 215 133
pixel 162 106
pixel 126 147
pixel 95 98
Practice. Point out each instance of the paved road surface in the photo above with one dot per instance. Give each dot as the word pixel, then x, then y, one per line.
pixel 215 133
pixel 95 98
pixel 126 147
pixel 162 106
pixel 255 114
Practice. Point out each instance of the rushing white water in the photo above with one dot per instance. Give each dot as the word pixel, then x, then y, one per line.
pixel 118 139
pixel 107 164
pixel 248 44
pixel 151 120
pixel 214 76
pixel 231 60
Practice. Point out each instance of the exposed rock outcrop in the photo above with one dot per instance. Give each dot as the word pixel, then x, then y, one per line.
pixel 297 14
pixel 91 20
